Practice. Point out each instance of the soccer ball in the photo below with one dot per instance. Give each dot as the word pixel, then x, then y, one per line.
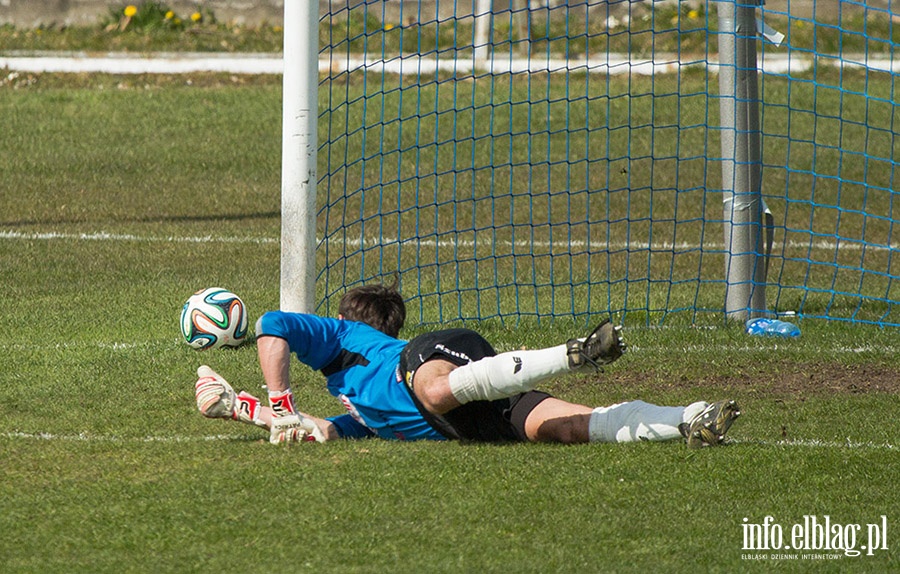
pixel 214 318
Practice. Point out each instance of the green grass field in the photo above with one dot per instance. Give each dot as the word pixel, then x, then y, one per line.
pixel 121 196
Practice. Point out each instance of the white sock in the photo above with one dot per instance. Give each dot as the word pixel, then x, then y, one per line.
pixel 637 420
pixel 507 374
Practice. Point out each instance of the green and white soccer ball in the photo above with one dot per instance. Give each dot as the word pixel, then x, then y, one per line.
pixel 214 318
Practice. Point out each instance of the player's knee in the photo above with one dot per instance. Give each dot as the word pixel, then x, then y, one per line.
pixel 432 387
pixel 427 394
pixel 435 395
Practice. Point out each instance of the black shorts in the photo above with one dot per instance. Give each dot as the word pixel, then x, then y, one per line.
pixel 502 420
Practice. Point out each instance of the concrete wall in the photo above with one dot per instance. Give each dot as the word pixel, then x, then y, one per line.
pixel 32 13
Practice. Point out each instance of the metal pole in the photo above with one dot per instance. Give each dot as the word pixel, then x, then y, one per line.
pixel 299 142
pixel 746 255
pixel 483 10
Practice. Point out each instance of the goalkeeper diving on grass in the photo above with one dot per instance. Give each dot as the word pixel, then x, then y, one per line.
pixel 444 385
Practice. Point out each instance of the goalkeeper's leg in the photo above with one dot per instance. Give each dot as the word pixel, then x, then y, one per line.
pixel 554 420
pixel 639 421
pixel 514 372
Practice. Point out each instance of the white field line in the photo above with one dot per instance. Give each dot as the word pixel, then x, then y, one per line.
pixel 85 437
pixel 565 244
pixel 91 438
pixel 499 63
pixel 127 237
pixel 102 345
pixel 773 345
pixel 816 443
pixel 173 343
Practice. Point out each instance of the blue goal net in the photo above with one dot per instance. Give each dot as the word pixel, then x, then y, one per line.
pixel 565 159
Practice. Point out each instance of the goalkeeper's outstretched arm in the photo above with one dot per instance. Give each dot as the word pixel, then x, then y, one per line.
pixel 275 362
pixel 216 399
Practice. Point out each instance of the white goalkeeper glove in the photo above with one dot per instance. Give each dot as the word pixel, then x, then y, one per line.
pixel 294 428
pixel 215 397
pixel 217 400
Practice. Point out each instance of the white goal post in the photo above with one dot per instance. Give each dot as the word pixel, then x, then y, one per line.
pixel 299 137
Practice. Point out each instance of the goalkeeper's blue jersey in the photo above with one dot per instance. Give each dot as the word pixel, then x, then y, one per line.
pixel 360 365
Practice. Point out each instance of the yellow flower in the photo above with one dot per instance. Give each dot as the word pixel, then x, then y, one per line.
pixel 196 16
pixel 388 27
pixel 693 14
pixel 130 10
pixel 170 15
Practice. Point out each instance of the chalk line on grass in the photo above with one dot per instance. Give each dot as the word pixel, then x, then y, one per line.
pixel 86 437
pixel 817 443
pixel 128 237
pixel 173 343
pixel 450 241
pixel 103 345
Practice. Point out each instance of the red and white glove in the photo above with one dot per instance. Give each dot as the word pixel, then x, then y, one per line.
pixel 294 427
pixel 282 403
pixel 217 400
pixel 215 397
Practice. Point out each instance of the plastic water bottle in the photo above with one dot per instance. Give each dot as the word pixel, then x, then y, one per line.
pixel 772 328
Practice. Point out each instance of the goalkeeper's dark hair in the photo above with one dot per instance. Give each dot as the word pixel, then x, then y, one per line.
pixel 379 306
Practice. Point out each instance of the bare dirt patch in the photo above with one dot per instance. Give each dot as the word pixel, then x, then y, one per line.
pixel 777 380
